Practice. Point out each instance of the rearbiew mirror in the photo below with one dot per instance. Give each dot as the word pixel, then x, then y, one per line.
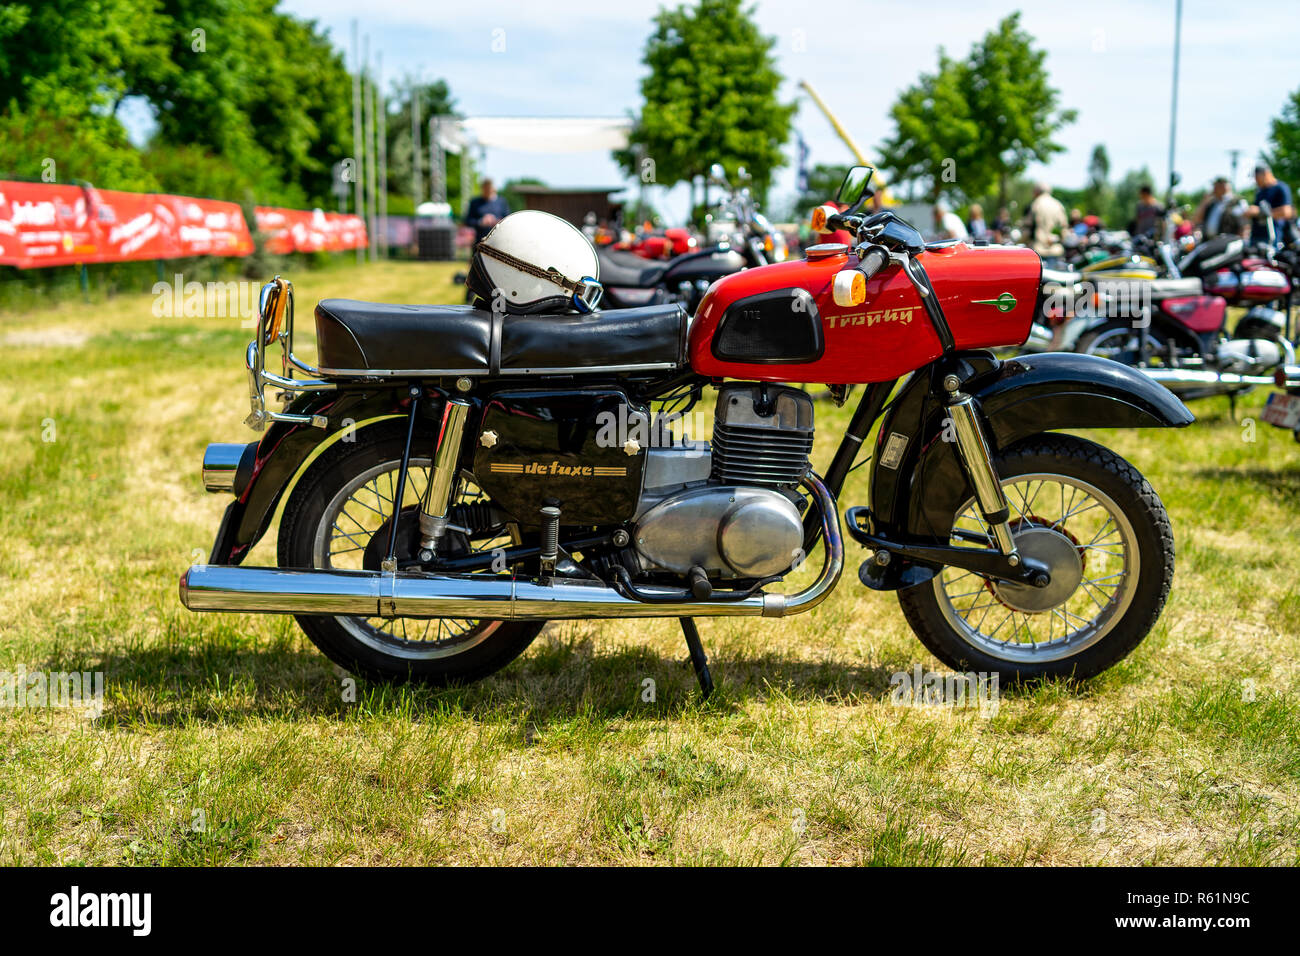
pixel 855 187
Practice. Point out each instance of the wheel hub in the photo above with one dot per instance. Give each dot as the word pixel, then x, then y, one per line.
pixel 1061 555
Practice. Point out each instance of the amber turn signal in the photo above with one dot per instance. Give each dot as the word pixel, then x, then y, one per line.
pixel 819 216
pixel 849 288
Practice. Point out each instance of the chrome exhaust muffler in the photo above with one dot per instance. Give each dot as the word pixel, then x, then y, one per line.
pixel 1286 376
pixel 390 594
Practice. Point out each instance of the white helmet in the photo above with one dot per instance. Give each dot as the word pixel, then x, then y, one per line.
pixel 532 261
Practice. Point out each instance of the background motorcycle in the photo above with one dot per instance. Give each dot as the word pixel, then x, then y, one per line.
pixel 506 469
pixel 740 237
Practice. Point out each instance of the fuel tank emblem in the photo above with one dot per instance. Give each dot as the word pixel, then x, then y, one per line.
pixel 555 468
pixel 874 317
pixel 1003 303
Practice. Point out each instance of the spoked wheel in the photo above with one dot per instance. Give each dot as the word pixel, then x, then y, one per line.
pixel 1105 537
pixel 1122 343
pixel 341 515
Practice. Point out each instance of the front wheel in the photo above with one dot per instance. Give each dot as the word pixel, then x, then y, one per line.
pixel 1103 532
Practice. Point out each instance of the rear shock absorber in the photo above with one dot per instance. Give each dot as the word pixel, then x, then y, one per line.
pixel 436 504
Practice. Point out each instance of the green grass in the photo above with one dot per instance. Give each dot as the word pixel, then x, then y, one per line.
pixel 226 739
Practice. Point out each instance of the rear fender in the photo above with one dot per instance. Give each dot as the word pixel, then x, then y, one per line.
pixel 1018 398
pixel 283 451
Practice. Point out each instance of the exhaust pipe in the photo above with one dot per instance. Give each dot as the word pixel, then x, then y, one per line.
pixel 388 594
pixel 1287 376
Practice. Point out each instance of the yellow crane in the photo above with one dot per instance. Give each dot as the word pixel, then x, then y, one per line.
pixel 842 133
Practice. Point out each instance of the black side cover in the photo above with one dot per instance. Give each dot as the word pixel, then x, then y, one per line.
pixel 771 328
pixel 562 448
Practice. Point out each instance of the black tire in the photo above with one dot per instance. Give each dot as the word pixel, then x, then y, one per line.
pixel 351 643
pixel 932 613
pixel 1159 343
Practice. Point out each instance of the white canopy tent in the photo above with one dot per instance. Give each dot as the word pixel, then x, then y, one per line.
pixel 531 134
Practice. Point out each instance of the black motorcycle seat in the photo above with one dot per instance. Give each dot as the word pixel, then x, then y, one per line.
pixel 376 338
pixel 627 269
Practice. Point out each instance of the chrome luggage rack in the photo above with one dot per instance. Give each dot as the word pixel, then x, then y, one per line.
pixel 275 324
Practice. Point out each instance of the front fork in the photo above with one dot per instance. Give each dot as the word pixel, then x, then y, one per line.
pixel 977 457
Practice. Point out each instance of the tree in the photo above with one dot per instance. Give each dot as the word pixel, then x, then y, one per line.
pixel 975 125
pixel 823 181
pixel 710 96
pixel 435 100
pixel 1284 142
pixel 936 141
pixel 1097 194
pixel 243 97
pixel 1013 103
pixel 264 90
pixel 65 68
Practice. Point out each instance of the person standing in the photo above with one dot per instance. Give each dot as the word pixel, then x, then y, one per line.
pixel 977 227
pixel 947 224
pixel 485 210
pixel 1214 215
pixel 1045 221
pixel 1148 212
pixel 1278 196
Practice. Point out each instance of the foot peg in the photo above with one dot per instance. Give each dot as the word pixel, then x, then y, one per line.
pixel 698 660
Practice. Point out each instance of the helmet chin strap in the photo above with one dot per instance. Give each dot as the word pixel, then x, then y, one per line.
pixel 585 292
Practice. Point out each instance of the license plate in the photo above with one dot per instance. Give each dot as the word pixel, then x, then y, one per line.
pixel 1282 410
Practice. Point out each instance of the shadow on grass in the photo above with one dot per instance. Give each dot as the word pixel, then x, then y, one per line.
pixel 1282 482
pixel 556 682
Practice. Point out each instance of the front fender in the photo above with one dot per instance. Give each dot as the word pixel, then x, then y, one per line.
pixel 282 452
pixel 1018 398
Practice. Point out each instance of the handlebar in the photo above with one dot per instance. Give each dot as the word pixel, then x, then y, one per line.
pixel 873 260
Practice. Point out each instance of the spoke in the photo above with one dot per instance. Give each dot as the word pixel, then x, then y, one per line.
pixel 1103 550
pixel 350 537
pixel 1109 521
pixel 1010 615
pixel 1076 511
pixel 357 500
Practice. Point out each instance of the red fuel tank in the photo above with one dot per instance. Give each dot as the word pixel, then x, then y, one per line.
pixel 780 323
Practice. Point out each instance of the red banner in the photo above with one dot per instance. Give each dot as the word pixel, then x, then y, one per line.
pixel 42 224
pixel 297 230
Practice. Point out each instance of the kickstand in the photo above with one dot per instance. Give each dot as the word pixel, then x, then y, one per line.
pixel 698 660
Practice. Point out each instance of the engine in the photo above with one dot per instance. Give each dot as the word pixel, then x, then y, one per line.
pixel 732 510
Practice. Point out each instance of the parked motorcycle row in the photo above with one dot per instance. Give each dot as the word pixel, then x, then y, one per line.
pixel 1162 306
pixel 515 461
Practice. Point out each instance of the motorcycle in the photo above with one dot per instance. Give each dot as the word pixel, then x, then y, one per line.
pixel 741 238
pixel 452 478
pixel 1174 327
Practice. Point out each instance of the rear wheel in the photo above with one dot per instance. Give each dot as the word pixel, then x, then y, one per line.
pixel 1122 343
pixel 339 516
pixel 1104 534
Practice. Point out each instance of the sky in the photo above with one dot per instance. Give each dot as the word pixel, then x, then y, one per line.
pixel 1112 61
